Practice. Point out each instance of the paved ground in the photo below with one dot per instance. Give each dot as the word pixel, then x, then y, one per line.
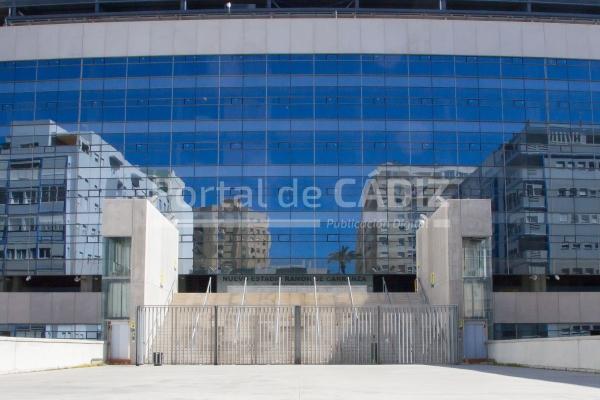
pixel 301 382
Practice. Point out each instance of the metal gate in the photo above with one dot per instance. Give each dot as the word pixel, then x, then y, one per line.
pixel 301 335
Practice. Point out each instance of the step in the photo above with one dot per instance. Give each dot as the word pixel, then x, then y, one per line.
pixel 301 299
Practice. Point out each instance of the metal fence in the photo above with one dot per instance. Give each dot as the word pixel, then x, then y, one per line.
pixel 255 335
pixel 301 335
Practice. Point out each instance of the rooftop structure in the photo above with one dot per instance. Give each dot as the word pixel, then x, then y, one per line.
pixel 36 11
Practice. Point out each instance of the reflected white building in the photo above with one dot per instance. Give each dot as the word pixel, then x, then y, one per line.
pixel 52 183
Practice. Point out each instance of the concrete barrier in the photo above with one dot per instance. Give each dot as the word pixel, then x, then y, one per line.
pixel 30 354
pixel 576 353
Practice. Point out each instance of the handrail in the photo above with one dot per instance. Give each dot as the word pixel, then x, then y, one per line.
pixel 352 299
pixel 385 290
pixel 208 290
pixel 237 322
pixel 433 13
pixel 420 289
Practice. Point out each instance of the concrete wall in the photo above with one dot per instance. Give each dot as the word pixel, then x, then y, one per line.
pixel 162 257
pixel 154 261
pixel 546 307
pixel 570 353
pixel 50 308
pixel 27 354
pixel 301 35
pixel 430 257
pixel 440 247
pixel 154 248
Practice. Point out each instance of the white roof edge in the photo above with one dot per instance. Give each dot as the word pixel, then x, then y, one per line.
pixel 301 35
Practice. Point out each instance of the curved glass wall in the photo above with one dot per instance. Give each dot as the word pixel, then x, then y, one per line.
pixel 301 163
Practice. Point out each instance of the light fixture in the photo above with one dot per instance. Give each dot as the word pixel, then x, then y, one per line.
pixel 557 277
pixel 228 5
pixel 77 278
pixel 533 277
pixel 28 278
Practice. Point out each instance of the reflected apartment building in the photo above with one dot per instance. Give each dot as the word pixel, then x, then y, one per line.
pixel 395 199
pixel 52 187
pixel 544 189
pixel 230 238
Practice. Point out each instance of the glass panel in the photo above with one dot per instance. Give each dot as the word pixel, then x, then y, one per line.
pixel 336 157
pixel 117 257
pixel 475 299
pixel 476 262
pixel 117 277
pixel 117 300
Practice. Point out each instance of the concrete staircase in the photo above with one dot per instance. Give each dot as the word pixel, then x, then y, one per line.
pixel 361 299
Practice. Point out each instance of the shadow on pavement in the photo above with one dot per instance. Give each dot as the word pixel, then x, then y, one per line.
pixel 568 377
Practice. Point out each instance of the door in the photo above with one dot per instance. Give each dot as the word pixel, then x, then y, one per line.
pixel 119 341
pixel 475 336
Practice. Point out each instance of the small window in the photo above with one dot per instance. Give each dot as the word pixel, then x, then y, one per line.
pixel 44 252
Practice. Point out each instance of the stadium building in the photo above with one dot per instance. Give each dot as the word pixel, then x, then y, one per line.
pixel 307 141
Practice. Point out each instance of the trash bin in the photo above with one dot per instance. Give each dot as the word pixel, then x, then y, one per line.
pixel 157 359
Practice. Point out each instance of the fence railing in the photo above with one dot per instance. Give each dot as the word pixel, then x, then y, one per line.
pixel 294 334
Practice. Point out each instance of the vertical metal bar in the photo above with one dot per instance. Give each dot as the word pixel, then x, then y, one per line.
pixel 277 317
pixel 138 335
pixel 317 308
pixel 379 322
pixel 215 335
pixel 171 336
pixel 297 335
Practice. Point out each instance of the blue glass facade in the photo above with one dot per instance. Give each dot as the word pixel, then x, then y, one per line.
pixel 288 160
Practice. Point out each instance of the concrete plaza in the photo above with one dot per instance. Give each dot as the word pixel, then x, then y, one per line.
pixel 301 382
